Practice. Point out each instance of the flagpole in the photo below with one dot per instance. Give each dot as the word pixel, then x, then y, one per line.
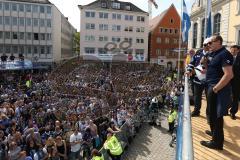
pixel 180 42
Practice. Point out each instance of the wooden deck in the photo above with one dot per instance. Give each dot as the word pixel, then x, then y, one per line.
pixel 231 149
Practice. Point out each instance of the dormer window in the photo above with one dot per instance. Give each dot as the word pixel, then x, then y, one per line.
pixel 115 5
pixel 128 7
pixel 104 5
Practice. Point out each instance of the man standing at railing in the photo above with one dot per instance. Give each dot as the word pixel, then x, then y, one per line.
pixel 198 72
pixel 219 74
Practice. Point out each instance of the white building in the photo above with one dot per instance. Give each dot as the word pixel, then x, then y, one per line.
pixel 36 29
pixel 109 24
pixel 221 11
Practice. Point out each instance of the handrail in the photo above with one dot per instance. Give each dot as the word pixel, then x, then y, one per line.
pixel 184 131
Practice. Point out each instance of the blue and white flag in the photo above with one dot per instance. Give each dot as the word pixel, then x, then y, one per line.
pixel 186 23
pixel 209 19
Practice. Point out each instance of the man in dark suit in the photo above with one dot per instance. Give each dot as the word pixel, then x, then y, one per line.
pixel 235 51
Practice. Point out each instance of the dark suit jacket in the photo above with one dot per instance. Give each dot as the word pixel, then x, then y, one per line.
pixel 236 71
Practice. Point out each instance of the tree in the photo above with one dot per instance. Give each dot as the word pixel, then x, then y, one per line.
pixel 76 42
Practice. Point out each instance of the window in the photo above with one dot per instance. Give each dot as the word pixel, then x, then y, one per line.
pixel 42 23
pixel 171 20
pixel 128 39
pixel 116 16
pixel 103 38
pixel 102 51
pixel 217 24
pixel 35 36
pixel 139 51
pixel 203 31
pixel 89 50
pixel 7 49
pixel 140 18
pixel 103 27
pixel 90 14
pixel 21 35
pixel 138 30
pixel 159 40
pixel 116 39
pixel 7 20
pixel 21 21
pixel 28 8
pixel 35 22
pixel 49 10
pixel 0 5
pixel 130 29
pixel 29 49
pixel 166 30
pixel 14 35
pixel 116 28
pixel 166 52
pixel 49 36
pixel 1 34
pixel 175 41
pixel 1 48
pixel 238 7
pixel 42 36
pixel 170 31
pixel 161 30
pixel 29 21
pixel 89 38
pixel 21 7
pixel 49 49
pixel 42 9
pixel 21 49
pixel 128 7
pixel 6 6
pixel 139 40
pixel 29 36
pixel 128 17
pixel 103 15
pixel 42 50
pixel 158 52
pixel 14 7
pixel 176 31
pixel 115 5
pixel 15 49
pixel 35 50
pixel 7 35
pixel 14 21
pixel 35 8
pixel 1 20
pixel 90 26
pixel 195 28
pixel 104 5
pixel 167 40
pixel 49 23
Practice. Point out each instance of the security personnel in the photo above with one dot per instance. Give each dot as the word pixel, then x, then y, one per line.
pixel 113 146
pixel 171 119
pixel 96 155
pixel 235 51
pixel 198 84
pixel 218 77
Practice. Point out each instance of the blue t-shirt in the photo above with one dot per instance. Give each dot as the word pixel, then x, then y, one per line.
pixel 218 60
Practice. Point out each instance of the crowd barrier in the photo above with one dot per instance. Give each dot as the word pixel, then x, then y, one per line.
pixel 126 133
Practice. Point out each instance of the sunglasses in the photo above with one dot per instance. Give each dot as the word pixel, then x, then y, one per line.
pixel 209 43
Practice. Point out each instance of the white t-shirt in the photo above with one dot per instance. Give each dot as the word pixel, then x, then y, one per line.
pixel 73 138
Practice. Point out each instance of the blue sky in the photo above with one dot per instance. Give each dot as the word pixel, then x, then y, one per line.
pixel 69 7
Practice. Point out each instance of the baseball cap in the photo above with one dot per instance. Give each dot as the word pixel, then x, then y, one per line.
pixel 207 40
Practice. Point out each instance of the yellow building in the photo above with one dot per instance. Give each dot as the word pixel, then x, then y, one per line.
pixel 225 21
pixel 234 22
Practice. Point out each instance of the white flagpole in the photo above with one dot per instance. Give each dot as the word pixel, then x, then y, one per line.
pixel 180 42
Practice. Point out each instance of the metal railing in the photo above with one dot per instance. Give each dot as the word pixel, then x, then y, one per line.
pixel 184 149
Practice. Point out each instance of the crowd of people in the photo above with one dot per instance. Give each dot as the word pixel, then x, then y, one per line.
pixel 73 110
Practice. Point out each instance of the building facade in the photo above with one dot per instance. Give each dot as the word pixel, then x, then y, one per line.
pixel 31 28
pixel 164 39
pixel 225 22
pixel 110 28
